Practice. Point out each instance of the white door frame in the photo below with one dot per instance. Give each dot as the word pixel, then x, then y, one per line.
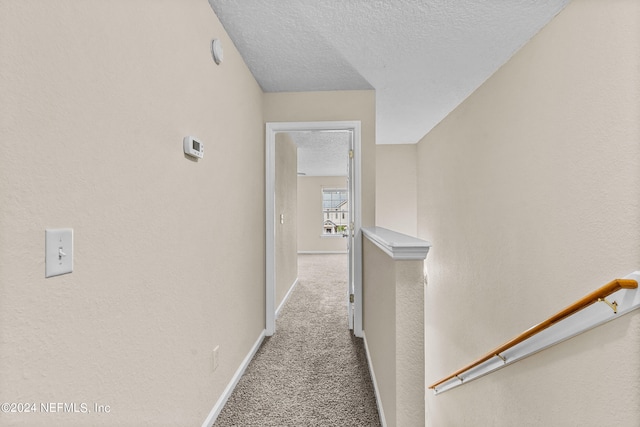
pixel 270 178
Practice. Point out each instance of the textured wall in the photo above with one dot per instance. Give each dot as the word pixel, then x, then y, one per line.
pixel 410 343
pixel 286 203
pixel 334 106
pixel 310 217
pixel 393 294
pixel 396 188
pixel 379 322
pixel 95 100
pixel 529 193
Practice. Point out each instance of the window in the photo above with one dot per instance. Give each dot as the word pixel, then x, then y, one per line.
pixel 335 212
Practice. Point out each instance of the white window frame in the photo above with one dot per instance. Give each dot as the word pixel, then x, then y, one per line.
pixel 333 215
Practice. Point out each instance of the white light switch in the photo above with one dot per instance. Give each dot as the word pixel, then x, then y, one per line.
pixel 58 251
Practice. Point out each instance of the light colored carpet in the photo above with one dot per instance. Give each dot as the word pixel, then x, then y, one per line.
pixel 312 372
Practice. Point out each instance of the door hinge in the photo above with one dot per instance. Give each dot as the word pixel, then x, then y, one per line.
pixel 352 298
pixel 350 154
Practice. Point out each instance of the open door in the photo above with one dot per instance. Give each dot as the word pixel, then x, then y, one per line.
pixel 350 235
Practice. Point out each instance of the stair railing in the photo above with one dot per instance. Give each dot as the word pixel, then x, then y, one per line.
pixel 588 312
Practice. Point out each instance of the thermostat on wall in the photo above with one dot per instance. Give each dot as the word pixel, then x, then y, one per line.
pixel 193 147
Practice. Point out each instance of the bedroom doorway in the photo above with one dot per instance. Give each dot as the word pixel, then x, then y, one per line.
pixel 338 143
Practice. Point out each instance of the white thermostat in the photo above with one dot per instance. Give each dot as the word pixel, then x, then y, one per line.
pixel 193 147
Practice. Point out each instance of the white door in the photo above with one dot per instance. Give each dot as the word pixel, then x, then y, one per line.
pixel 350 236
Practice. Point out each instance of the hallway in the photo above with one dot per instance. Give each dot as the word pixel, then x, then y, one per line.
pixel 312 372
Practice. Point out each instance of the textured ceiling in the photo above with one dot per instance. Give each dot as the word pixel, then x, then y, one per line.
pixel 322 153
pixel 422 57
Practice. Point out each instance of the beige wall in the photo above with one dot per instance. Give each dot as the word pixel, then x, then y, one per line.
pixel 396 188
pixel 379 322
pixel 286 203
pixel 334 106
pixel 529 193
pixel 393 295
pixel 96 98
pixel 310 217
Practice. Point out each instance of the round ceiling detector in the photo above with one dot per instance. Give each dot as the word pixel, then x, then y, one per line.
pixel 216 51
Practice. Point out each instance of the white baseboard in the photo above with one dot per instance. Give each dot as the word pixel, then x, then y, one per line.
pixel 286 297
pixel 217 408
pixel 383 420
pixel 321 252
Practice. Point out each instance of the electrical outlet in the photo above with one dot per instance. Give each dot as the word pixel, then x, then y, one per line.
pixel 216 357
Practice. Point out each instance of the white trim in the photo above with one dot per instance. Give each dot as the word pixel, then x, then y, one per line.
pixel 217 408
pixel 270 216
pixel 286 297
pixel 357 223
pixel 398 246
pixel 270 237
pixel 358 306
pixel 383 420
pixel 322 252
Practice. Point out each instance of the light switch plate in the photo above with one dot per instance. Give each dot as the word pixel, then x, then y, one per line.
pixel 58 251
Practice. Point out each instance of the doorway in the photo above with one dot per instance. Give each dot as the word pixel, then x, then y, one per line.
pixel 354 291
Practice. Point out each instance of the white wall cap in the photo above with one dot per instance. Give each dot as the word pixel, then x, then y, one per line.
pixel 397 245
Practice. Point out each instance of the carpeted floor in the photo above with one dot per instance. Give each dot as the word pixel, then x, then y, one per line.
pixel 312 372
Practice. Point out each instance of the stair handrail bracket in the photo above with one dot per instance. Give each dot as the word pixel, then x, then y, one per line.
pixel 606 303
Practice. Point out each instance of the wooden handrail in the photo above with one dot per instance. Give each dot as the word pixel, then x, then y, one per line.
pixel 595 296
